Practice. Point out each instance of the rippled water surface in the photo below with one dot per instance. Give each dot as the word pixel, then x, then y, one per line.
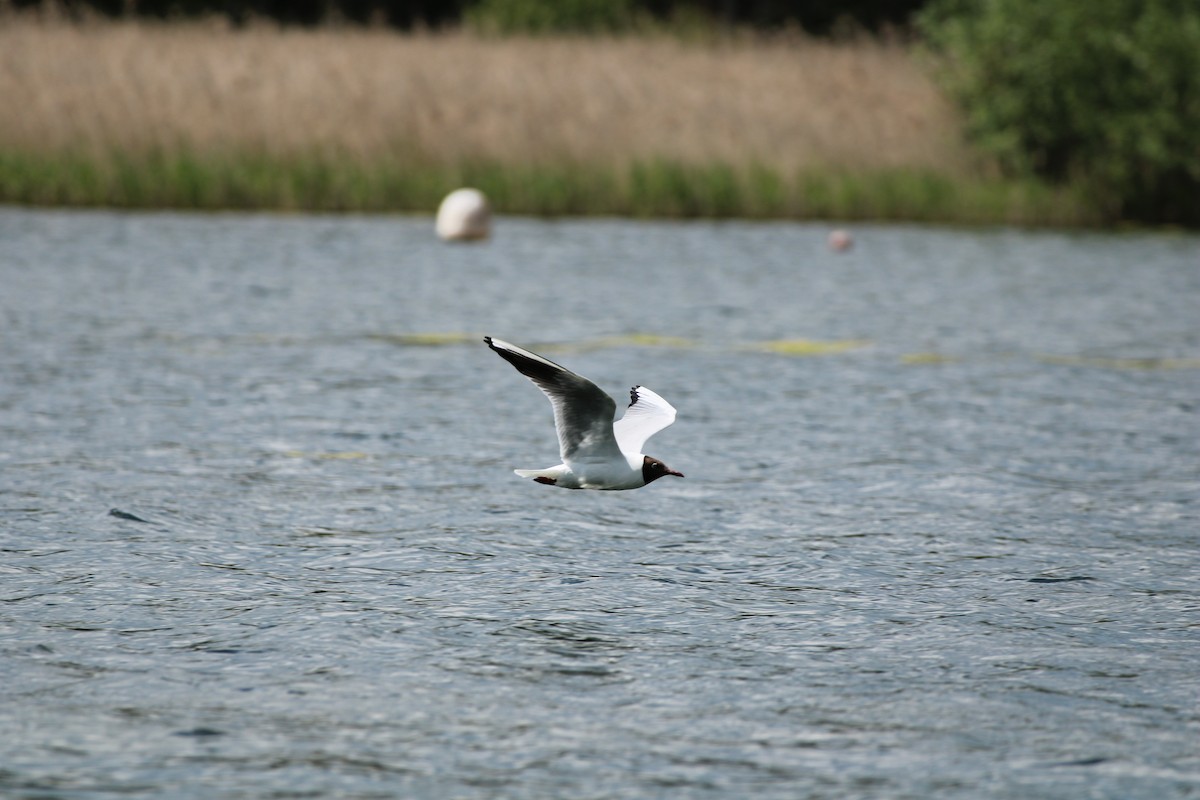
pixel 259 536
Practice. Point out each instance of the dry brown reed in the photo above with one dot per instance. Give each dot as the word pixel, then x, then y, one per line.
pixel 786 104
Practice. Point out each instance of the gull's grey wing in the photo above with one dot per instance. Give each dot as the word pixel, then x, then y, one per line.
pixel 583 412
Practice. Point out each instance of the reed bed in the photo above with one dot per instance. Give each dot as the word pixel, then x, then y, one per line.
pixel 203 115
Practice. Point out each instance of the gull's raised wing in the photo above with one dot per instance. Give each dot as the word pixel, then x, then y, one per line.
pixel 647 414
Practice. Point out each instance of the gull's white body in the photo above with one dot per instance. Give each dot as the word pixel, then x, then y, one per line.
pixel 596 452
pixel 605 475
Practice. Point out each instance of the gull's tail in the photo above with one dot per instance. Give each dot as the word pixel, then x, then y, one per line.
pixel 549 476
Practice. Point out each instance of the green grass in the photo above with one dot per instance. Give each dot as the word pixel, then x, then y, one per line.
pixel 645 189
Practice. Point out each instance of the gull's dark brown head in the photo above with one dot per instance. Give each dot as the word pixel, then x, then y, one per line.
pixel 653 469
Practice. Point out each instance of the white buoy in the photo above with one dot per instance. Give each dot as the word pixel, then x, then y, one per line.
pixel 840 240
pixel 464 216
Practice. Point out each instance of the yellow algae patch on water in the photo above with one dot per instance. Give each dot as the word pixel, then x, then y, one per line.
pixel 928 358
pixel 426 339
pixel 345 455
pixel 623 340
pixel 811 347
pixel 644 340
pixel 1122 363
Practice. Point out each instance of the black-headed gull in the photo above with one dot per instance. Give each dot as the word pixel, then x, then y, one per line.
pixel 596 452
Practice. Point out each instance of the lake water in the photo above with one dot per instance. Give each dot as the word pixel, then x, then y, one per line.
pixel 260 537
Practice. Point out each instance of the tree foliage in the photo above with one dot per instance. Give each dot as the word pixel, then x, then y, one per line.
pixel 1105 93
pixel 562 16
pixel 593 16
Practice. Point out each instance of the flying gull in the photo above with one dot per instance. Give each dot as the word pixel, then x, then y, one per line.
pixel 597 453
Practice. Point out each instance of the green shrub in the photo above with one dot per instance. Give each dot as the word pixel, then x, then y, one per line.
pixel 1102 93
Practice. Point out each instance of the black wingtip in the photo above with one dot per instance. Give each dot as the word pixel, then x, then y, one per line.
pixel 633 395
pixel 531 365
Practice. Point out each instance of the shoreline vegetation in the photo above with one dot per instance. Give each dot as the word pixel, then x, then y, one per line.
pixel 202 115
